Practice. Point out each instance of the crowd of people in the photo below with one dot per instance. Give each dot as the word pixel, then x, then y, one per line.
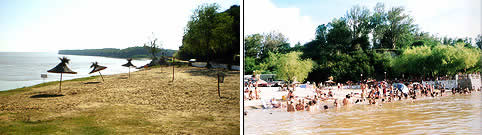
pixel 374 93
pixel 368 92
pixel 251 91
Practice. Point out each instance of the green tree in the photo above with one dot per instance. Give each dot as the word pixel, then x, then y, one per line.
pixel 400 26
pixel 339 35
pixel 478 41
pixel 252 45
pixel 321 32
pixel 250 65
pixel 153 48
pixel 358 21
pixel 290 67
pixel 273 42
pixel 210 35
pixel 259 46
pixel 438 60
pixel 378 23
pixel 424 38
pixel 382 63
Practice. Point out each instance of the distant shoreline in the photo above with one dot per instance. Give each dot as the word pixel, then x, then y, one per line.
pixel 136 58
pixel 130 52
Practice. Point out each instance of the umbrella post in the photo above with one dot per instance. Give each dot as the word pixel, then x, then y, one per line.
pixel 60 86
pixel 219 92
pixel 129 72
pixel 173 69
pixel 101 76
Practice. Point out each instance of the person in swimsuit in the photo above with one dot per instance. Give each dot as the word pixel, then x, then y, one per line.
pixel 290 107
pixel 290 95
pixel 255 92
pixel 299 106
pixel 346 100
pixel 308 106
pixel 362 86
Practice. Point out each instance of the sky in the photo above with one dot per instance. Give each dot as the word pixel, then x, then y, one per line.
pixel 52 25
pixel 298 19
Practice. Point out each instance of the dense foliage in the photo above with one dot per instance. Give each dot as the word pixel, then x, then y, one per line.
pixel 291 68
pixel 211 35
pixel 367 44
pixel 439 60
pixel 131 52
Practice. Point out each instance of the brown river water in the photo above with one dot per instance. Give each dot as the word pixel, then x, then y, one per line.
pixel 459 114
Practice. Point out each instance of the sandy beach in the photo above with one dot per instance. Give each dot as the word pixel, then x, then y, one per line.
pixel 146 103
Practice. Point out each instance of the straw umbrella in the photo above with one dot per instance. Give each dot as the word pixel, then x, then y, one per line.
pixel 97 68
pixel 129 65
pixel 62 68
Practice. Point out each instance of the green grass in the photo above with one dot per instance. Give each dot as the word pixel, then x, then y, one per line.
pixel 24 89
pixel 67 125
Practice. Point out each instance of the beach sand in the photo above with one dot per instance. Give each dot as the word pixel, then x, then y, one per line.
pixel 146 103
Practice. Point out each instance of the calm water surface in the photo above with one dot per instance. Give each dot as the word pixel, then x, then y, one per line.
pixel 460 114
pixel 19 69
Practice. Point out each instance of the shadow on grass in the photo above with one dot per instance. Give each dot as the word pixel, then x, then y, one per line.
pixel 91 82
pixel 210 72
pixel 46 95
pixel 222 97
pixel 123 77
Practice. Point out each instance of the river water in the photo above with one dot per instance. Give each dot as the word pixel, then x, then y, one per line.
pixel 459 114
pixel 20 69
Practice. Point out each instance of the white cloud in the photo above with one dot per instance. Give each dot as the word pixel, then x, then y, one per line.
pixel 262 16
pixel 447 17
pixel 104 24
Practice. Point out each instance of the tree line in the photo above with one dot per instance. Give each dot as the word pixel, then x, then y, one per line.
pixel 363 44
pixel 211 35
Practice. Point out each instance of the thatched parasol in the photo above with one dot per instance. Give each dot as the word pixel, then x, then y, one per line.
pixel 97 68
pixel 62 68
pixel 129 65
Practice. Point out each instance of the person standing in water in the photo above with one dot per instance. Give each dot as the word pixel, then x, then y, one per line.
pixel 290 107
pixel 362 86
pixel 346 100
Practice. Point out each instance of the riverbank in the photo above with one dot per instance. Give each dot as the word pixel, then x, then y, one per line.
pixel 147 102
pixel 130 52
